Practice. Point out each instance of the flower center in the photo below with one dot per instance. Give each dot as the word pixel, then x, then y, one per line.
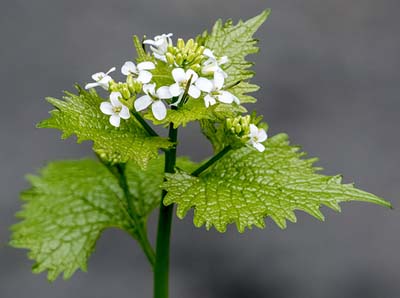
pixel 116 110
pixel 183 83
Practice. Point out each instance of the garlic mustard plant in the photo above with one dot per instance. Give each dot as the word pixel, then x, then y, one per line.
pixel 170 83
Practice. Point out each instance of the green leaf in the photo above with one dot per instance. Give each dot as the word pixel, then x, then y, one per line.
pixel 80 114
pixel 245 186
pixel 72 202
pixel 66 210
pixel 236 42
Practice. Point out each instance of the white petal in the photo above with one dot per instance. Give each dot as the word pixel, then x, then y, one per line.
pixel 98 76
pixel 147 65
pixel 114 98
pixel 149 41
pixel 262 135
pixel 223 60
pixel 149 89
pixel 209 68
pixel 142 102
pixel 190 73
pixel 115 120
pixel 175 89
pixel 208 53
pixel 105 82
pixel 209 100
pixel 194 91
pixel 253 131
pixel 106 108
pixel 144 76
pixel 160 57
pixel 164 93
pixel 124 113
pixel 159 110
pixel 110 70
pixel 91 85
pixel 225 97
pixel 219 80
pixel 178 74
pixel 260 147
pixel 128 68
pixel 204 85
pixel 159 41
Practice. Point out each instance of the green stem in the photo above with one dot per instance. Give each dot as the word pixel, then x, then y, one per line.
pixel 161 268
pixel 139 225
pixel 145 125
pixel 211 161
pixel 119 172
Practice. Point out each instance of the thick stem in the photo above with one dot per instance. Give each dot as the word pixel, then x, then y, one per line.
pixel 161 268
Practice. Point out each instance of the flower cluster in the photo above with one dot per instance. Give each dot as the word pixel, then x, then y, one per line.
pixel 167 78
pixel 244 128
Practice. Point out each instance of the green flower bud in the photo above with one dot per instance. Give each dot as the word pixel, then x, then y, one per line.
pixel 238 128
pixel 200 50
pixel 180 44
pixel 130 82
pixel 179 59
pixel 189 44
pixel 191 57
pixel 113 86
pixel 125 92
pixel 171 49
pixel 196 68
pixel 198 59
pixel 137 86
pixel 170 58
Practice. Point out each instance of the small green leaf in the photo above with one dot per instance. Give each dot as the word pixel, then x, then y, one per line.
pixel 66 210
pixel 246 186
pixel 80 114
pixel 236 42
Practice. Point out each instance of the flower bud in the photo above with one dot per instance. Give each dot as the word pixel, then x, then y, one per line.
pixel 238 128
pixel 196 67
pixel 125 92
pixel 170 58
pixel 200 50
pixel 137 86
pixel 189 44
pixel 179 59
pixel 180 44
pixel 191 57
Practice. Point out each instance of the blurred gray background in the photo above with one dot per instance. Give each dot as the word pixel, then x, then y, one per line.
pixel 329 72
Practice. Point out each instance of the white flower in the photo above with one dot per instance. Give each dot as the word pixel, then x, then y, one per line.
pixel 115 109
pixel 140 72
pixel 214 90
pixel 153 98
pixel 181 80
pixel 212 64
pixel 101 79
pixel 257 136
pixel 160 45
